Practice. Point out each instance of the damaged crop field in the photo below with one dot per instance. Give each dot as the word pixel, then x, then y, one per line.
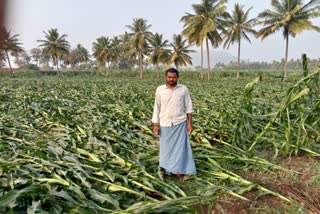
pixel 85 145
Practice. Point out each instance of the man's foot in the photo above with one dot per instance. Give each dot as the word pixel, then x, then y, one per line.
pixel 179 177
pixel 163 173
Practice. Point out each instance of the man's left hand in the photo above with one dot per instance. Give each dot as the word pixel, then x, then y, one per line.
pixel 189 129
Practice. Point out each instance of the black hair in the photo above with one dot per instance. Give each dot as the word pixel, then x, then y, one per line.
pixel 172 70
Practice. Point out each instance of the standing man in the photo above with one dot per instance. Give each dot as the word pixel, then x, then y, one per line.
pixel 173 112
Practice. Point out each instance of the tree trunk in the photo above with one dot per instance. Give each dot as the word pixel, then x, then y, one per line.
pixel 158 69
pixel 286 59
pixel 58 67
pixel 8 58
pixel 201 56
pixel 238 72
pixel 208 59
pixel 57 64
pixel 140 66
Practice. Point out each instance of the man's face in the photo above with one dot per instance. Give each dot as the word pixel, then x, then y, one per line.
pixel 171 79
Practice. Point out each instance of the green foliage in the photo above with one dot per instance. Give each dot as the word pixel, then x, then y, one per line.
pixel 139 36
pixel 84 145
pixel 237 27
pixel 55 45
pixel 159 52
pixel 10 45
pixel 305 63
pixel 180 54
pixel 290 16
pixel 205 25
pixel 101 50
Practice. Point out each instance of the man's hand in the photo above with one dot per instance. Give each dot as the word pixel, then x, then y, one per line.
pixel 189 128
pixel 155 129
pixel 189 125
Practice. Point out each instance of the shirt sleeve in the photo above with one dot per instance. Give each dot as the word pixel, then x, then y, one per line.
pixel 156 108
pixel 188 102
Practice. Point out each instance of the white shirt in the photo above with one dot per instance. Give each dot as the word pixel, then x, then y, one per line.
pixel 171 105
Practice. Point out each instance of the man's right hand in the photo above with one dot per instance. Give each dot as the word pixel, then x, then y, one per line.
pixel 156 129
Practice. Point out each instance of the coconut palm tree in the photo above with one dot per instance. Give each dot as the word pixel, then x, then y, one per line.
pixel 72 58
pixel 101 50
pixel 115 51
pixel 237 27
pixel 204 26
pixel 292 17
pixel 82 53
pixel 10 45
pixel 139 39
pixel 55 45
pixel 128 57
pixel 179 56
pixel 159 54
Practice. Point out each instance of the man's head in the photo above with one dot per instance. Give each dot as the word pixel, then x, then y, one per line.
pixel 172 76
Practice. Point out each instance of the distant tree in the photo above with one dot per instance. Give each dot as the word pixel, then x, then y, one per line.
pixel 128 56
pixel 179 56
pixel 36 55
pixel 82 54
pixel 10 45
pixel 115 50
pixel 204 26
pixel 55 46
pixel 139 36
pixel 292 16
pixel 44 59
pixel 22 59
pixel 101 50
pixel 76 57
pixel 314 64
pixel 237 26
pixel 72 58
pixel 159 53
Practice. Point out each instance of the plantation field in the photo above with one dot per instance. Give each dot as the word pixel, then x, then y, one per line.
pixel 84 144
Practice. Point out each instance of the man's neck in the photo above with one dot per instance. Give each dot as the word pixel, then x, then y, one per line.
pixel 171 87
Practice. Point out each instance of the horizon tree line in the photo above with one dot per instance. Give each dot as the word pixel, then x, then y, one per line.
pixel 274 65
pixel 209 24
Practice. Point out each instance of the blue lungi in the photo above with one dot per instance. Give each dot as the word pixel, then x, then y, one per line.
pixel 175 150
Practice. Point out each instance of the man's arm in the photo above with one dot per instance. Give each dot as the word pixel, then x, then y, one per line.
pixel 189 125
pixel 155 116
pixel 189 110
pixel 155 129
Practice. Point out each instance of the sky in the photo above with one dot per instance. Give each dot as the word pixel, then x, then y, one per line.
pixel 86 20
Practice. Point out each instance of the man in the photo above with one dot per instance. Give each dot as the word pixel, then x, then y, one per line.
pixel 173 112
